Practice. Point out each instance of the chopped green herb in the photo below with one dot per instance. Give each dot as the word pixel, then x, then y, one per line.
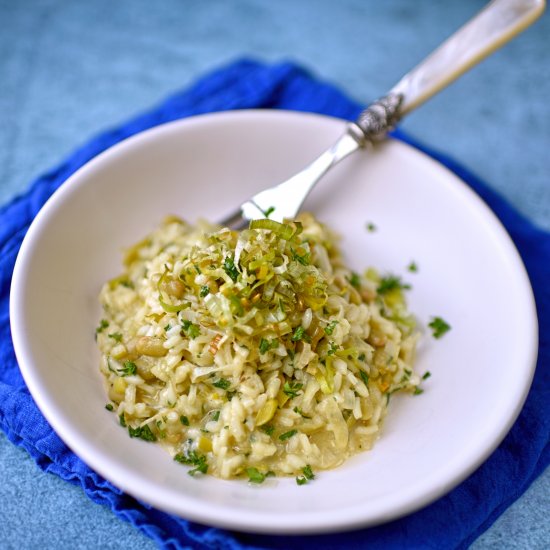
pixel 255 476
pixel 222 383
pixel 268 429
pixel 418 391
pixel 230 268
pixel 364 376
pixel 391 282
pixel 167 327
pixel 109 407
pixel 332 349
pixel 269 211
pixel 184 420
pixel 292 388
pixel 122 420
pixel 116 336
pixel 329 329
pixel 190 329
pixel 103 324
pixel 439 327
pixel 205 290
pixel 193 459
pixel 426 375
pixel 371 227
pixel 355 280
pixel 362 357
pixel 216 416
pixel 300 334
pixel 413 267
pixel 266 345
pixel 308 475
pixel 299 411
pixel 142 432
pixel 288 435
pixel 303 259
pixel 129 369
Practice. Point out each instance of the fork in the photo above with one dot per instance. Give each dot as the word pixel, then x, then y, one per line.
pixel 491 28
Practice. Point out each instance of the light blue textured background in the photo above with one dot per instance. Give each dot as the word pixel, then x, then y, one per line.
pixel 69 69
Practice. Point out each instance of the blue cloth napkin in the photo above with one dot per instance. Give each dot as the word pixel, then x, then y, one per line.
pixel 455 520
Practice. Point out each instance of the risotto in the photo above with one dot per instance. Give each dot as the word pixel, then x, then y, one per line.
pixel 253 353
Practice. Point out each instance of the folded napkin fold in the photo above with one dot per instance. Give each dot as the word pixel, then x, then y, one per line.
pixel 453 521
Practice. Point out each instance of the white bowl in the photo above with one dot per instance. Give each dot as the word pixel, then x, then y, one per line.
pixel 469 273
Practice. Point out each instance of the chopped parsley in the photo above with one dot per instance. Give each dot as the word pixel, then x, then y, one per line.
pixel 299 334
pixel 193 459
pixel 268 429
pixel 362 357
pixel 103 324
pixel 122 420
pixel 222 383
pixel 308 475
pixel 329 329
pixel 355 280
pixel 365 377
pixel 439 327
pixel 143 432
pixel 205 290
pixel 216 416
pixel 116 336
pixel 190 329
pixel 129 369
pixel 413 267
pixel 371 228
pixel 269 211
pixel 418 391
pixel 288 435
pixel 167 327
pixel 255 476
pixel 391 282
pixel 266 345
pixel 184 420
pixel 109 407
pixel 230 268
pixel 332 348
pixel 292 388
pixel 426 375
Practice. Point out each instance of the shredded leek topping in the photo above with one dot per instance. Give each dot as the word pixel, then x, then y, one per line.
pixel 254 353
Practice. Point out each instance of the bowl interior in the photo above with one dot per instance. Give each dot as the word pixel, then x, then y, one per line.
pixel 469 273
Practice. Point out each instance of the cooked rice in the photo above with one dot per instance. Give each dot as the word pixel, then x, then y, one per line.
pixel 276 359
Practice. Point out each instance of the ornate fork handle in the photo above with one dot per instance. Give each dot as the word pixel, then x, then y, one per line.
pixel 495 25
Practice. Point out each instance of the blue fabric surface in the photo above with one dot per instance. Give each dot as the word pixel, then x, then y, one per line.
pixel 453 521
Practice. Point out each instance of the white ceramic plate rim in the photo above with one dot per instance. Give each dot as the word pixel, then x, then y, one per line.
pixel 316 522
